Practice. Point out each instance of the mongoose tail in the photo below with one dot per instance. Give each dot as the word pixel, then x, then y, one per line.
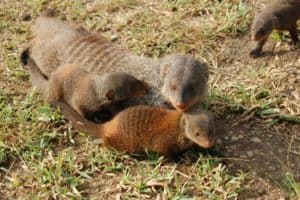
pixel 79 122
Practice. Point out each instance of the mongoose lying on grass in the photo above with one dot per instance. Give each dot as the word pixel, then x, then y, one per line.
pixel 180 79
pixel 278 15
pixel 142 128
pixel 85 92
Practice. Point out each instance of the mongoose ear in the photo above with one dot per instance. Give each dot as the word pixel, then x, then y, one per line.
pixel 110 95
pixel 146 85
pixel 164 69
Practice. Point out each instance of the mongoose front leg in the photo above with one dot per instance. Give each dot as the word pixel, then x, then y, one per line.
pixel 54 91
pixel 294 36
pixel 256 52
pixel 38 79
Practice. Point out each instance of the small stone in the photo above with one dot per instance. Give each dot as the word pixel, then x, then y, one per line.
pixel 241 136
pixel 280 150
pixel 243 156
pixel 114 38
pixel 250 154
pixel 255 140
pixel 230 132
pixel 219 141
pixel 261 191
pixel 234 138
pixel 226 138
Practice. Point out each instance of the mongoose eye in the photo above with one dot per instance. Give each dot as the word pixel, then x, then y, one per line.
pixel 110 95
pixel 197 134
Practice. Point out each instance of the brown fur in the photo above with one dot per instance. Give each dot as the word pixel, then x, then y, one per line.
pixel 57 42
pixel 142 128
pixel 279 15
pixel 84 92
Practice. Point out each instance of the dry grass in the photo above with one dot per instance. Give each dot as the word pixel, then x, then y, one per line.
pixel 41 157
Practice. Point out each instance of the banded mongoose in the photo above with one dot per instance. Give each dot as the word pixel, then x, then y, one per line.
pixel 178 79
pixel 85 92
pixel 143 128
pixel 279 15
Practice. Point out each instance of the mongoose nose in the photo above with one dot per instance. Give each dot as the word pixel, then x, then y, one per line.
pixel 181 106
pixel 209 144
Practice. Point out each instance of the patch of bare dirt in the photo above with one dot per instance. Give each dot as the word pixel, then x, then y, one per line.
pixel 260 189
pixel 271 152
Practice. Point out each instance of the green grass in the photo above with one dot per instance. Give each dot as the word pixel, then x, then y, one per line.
pixel 42 157
pixel 291 184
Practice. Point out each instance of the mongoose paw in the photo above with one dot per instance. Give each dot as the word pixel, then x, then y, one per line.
pixel 255 53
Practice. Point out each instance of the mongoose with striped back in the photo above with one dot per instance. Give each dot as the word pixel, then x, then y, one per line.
pixel 178 79
pixel 85 92
pixel 279 15
pixel 143 128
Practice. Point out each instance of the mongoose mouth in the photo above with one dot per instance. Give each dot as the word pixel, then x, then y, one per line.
pixel 207 144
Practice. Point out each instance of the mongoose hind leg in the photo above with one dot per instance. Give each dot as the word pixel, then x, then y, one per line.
pixel 256 52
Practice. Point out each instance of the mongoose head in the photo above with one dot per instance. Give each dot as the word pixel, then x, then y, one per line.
pixel 262 27
pixel 120 86
pixel 185 80
pixel 199 128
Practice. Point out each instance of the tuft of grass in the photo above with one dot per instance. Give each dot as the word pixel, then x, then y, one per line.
pixel 292 185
